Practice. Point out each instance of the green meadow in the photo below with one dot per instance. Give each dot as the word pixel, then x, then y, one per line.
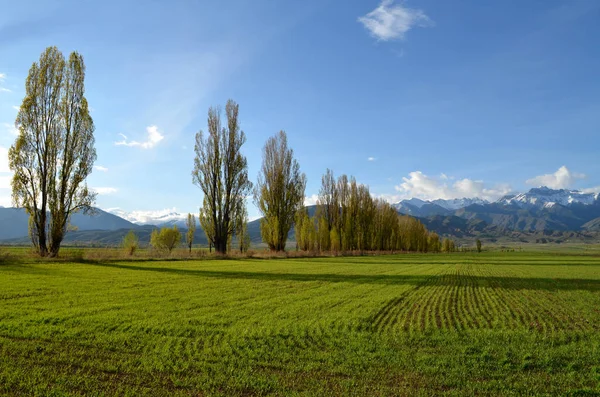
pixel 499 323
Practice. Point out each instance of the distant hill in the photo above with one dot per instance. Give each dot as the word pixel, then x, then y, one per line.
pixel 15 222
pixel 110 238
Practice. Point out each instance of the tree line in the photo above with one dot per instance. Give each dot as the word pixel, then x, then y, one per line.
pixel 348 218
pixel 54 153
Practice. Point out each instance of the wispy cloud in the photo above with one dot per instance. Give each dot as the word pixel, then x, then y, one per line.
pixel 563 178
pixel 371 158
pixel 2 78
pixel 103 191
pixel 100 168
pixel 11 129
pixel 595 189
pixel 149 216
pixel 154 137
pixel 419 185
pixel 391 21
pixel 17 108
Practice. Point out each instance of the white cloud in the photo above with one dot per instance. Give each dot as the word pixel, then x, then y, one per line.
pixel 311 200
pixel 11 129
pixel 17 108
pixel 2 76
pixel 371 158
pixel 5 181
pixel 591 190
pixel 4 159
pixel 154 137
pixel 391 21
pixel 104 190
pixel 563 178
pixel 424 187
pixel 100 168
pixel 5 200
pixel 2 89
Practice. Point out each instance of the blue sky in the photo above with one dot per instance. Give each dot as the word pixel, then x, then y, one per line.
pixel 415 98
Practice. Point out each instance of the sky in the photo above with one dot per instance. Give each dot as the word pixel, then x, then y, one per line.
pixel 416 98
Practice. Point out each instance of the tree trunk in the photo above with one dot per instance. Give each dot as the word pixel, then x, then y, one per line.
pixel 56 238
pixel 41 230
pixel 221 245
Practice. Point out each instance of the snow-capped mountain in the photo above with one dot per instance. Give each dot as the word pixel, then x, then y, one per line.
pixel 455 204
pixel 168 216
pixel 544 197
pixel 418 207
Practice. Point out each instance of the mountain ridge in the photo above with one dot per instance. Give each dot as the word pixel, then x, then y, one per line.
pixel 540 210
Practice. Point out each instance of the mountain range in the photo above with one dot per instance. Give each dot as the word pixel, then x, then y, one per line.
pixel 540 210
pixel 14 222
pixel 540 214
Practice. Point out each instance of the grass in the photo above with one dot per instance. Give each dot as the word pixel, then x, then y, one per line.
pixel 462 324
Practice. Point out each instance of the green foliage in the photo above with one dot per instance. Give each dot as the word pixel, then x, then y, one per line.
pixel 349 219
pixel 323 242
pixel 478 244
pixel 334 240
pixel 305 230
pixel 130 242
pixel 485 324
pixel 54 151
pixel 221 172
pixel 448 245
pixel 190 223
pixel 435 245
pixel 279 192
pixel 166 239
pixel 241 232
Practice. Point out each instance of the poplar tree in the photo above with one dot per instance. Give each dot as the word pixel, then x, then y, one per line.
pixel 279 193
pixel 241 232
pixel 190 223
pixel 54 151
pixel 221 171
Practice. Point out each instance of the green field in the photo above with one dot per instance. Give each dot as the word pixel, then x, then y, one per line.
pixel 461 324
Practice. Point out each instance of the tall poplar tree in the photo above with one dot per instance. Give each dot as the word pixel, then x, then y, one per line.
pixel 221 171
pixel 190 223
pixel 279 193
pixel 54 151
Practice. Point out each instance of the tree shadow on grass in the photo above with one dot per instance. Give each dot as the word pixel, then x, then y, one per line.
pixel 516 283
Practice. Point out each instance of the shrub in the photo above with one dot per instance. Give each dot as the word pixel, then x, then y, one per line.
pixel 166 239
pixel 130 242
